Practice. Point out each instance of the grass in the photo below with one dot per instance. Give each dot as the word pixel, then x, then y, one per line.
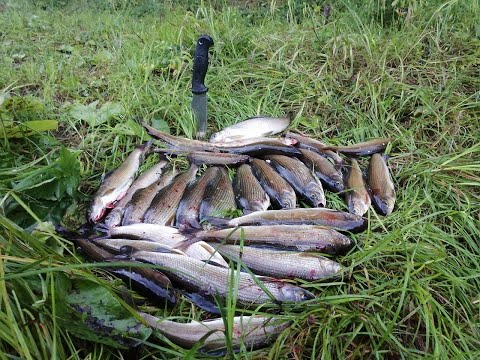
pixel 405 69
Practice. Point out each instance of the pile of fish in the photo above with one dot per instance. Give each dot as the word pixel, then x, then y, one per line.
pixel 195 225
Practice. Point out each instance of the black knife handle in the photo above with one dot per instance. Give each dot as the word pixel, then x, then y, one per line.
pixel 200 64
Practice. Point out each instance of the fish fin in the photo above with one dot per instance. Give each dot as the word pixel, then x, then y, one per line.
pixel 202 302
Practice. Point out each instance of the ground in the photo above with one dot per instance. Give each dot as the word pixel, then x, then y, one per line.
pixel 77 77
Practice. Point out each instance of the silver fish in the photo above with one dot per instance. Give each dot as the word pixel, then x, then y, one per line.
pixel 256 140
pixel 357 196
pixel 314 216
pixel 218 199
pixel 148 177
pixel 280 264
pixel 163 234
pixel 189 207
pixel 149 281
pixel 280 192
pixel 199 250
pixel 178 142
pixel 116 184
pixel 381 185
pixel 163 207
pixel 214 280
pixel 252 127
pixel 305 142
pixel 324 170
pixel 363 148
pixel 248 191
pixel 295 237
pixel 141 200
pixel 205 157
pixel 248 331
pixel 300 177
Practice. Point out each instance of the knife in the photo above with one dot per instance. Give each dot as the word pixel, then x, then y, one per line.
pixel 199 90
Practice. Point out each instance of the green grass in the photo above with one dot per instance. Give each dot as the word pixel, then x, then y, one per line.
pixel 407 69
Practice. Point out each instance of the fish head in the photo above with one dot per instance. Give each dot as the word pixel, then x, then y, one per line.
pixel 315 195
pixel 217 138
pixel 384 205
pixel 291 292
pixel 97 210
pixel 289 141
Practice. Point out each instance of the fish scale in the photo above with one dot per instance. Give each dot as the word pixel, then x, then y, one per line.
pixel 323 169
pixel 164 205
pixel 249 331
pixel 189 207
pixel 300 177
pixel 214 280
pixel 248 191
pixel 281 264
pixel 219 197
pixel 297 237
pixel 381 185
pixel 147 178
pixel 357 196
pixel 116 184
pixel 304 216
pixel 141 200
pixel 279 191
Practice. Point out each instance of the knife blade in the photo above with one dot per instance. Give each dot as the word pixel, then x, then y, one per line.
pixel 199 90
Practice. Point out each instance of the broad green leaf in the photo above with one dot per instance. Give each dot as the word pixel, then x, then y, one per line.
pixel 161 125
pixel 28 128
pixel 91 312
pixel 93 116
pixel 84 112
pixel 108 111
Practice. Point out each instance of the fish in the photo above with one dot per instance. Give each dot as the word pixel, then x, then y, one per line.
pixel 249 331
pixel 280 264
pixel 199 158
pixel 179 142
pixel 141 200
pixel 189 206
pixel 151 283
pixel 166 235
pixel 294 237
pixel 363 148
pixel 305 142
pixel 323 169
pixel 251 127
pixel 300 177
pixel 163 207
pixel 381 185
pixel 123 246
pixel 358 199
pixel 218 199
pixel 280 192
pixel 249 193
pixel 280 141
pixel 263 148
pixel 205 157
pixel 339 220
pixel 199 250
pixel 150 176
pixel 214 280
pixel 116 184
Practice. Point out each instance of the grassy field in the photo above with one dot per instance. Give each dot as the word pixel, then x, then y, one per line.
pixel 91 70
